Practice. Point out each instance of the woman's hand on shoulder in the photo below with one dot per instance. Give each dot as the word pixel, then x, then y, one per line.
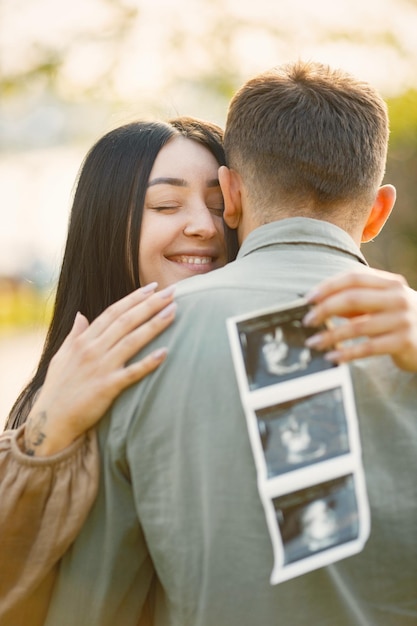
pixel 91 368
pixel 380 310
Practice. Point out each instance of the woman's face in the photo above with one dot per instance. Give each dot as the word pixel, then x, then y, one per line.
pixel 182 232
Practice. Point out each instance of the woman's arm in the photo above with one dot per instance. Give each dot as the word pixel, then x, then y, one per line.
pixel 44 503
pixel 380 309
pixel 90 369
pixel 49 467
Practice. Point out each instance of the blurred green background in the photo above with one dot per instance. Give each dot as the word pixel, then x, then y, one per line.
pixel 71 71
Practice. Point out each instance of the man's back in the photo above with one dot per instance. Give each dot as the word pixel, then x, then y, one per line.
pixel 178 517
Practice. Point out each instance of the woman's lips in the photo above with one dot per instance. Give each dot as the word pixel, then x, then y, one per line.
pixel 194 263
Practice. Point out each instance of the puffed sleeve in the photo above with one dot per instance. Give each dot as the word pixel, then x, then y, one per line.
pixel 44 502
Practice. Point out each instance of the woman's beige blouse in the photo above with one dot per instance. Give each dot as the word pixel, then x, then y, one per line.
pixel 43 504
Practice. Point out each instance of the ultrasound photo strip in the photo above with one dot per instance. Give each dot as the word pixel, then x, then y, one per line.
pixel 304 434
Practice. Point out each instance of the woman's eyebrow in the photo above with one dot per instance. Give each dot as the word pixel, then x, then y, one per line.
pixel 179 182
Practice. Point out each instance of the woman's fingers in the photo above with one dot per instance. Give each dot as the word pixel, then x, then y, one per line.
pixel 381 311
pixel 153 309
pixel 134 372
pixel 126 335
pixel 117 321
pixel 357 294
pixel 84 356
pixel 85 376
pixel 361 278
pixel 119 308
pixel 404 358
pixel 356 304
pixel 130 344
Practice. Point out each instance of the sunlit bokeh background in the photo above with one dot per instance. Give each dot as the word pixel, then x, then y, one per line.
pixel 71 71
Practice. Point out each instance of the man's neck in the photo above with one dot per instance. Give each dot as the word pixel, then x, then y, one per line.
pixel 247 226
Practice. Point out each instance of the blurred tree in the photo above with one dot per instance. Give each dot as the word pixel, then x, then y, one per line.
pixel 66 71
pixel 100 57
pixel 57 68
pixel 395 248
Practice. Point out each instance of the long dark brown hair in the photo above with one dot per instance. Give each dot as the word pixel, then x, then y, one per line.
pixel 100 263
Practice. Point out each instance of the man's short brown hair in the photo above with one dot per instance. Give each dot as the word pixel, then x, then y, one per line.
pixel 311 135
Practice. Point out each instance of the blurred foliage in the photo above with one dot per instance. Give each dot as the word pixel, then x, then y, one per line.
pixel 395 249
pixel 206 54
pixel 23 306
pixel 46 57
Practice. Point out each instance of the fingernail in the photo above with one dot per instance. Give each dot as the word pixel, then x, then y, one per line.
pixel 309 318
pixel 149 288
pixel 168 310
pixel 159 354
pixel 313 341
pixel 333 356
pixel 312 295
pixel 168 291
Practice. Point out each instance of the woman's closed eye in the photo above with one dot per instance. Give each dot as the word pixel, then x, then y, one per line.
pixel 215 203
pixel 165 207
pixel 217 211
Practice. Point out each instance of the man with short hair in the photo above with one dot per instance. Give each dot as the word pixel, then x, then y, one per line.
pixel 178 526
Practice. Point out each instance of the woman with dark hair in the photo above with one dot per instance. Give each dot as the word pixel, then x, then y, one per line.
pixel 147 211
pixel 101 261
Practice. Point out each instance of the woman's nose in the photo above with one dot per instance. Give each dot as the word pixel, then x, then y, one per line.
pixel 200 223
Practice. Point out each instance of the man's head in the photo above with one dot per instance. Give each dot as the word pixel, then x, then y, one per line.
pixel 307 140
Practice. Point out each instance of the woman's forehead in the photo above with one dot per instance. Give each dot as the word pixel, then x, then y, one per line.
pixel 185 159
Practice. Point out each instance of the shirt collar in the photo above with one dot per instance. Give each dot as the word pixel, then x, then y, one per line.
pixel 301 230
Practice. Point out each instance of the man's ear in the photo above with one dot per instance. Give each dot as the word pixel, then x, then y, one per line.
pixel 380 212
pixel 230 185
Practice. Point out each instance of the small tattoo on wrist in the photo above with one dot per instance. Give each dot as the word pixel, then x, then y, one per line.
pixel 34 435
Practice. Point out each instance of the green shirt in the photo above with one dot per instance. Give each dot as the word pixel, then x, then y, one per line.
pixel 178 518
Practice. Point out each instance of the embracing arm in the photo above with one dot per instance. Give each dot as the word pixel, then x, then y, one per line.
pixel 44 503
pixel 49 467
pixel 380 309
pixel 91 368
